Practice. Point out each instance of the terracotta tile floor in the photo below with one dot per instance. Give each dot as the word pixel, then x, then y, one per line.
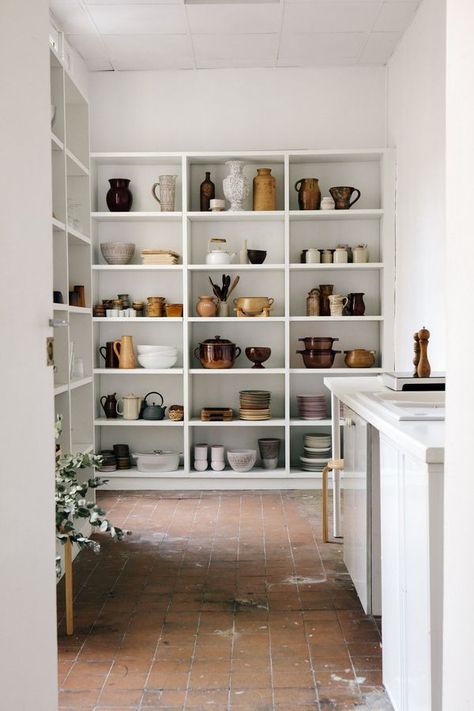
pixel 219 600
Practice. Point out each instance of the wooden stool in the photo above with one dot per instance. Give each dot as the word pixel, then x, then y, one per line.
pixel 337 464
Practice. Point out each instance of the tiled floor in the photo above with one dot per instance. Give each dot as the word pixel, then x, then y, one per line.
pixel 219 600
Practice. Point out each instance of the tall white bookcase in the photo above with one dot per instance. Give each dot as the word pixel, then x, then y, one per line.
pixel 74 399
pixel 284 233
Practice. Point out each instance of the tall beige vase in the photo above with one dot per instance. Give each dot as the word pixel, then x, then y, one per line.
pixel 264 190
pixel 123 349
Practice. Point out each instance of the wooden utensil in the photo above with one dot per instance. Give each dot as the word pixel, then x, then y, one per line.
pixel 234 284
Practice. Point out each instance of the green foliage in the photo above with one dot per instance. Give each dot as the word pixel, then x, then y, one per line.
pixel 72 503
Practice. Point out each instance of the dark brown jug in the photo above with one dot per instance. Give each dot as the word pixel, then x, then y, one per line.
pixel 108 354
pixel 109 405
pixel 207 192
pixel 356 305
pixel 325 292
pixel 342 197
pixel 119 198
pixel 309 194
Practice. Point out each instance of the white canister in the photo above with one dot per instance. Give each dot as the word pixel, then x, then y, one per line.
pixel 313 256
pixel 217 453
pixel 360 254
pixel 326 257
pixel 327 203
pixel 200 452
pixel 340 255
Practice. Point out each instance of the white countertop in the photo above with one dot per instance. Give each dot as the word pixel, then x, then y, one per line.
pixel 424 440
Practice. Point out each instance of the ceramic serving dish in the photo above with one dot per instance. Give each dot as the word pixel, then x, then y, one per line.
pixel 253 305
pixel 318 359
pixel 359 358
pixel 157 461
pixel 242 460
pixel 318 343
pixel 117 252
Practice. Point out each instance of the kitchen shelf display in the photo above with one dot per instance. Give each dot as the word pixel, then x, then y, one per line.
pixel 283 233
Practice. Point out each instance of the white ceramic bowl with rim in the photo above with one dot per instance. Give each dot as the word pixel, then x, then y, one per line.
pixel 158 360
pixel 241 460
pixel 145 350
pixel 117 252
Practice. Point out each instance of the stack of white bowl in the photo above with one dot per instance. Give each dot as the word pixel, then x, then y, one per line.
pixel 157 357
pixel 317 449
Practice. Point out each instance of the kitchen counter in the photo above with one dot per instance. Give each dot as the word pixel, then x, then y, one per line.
pixel 423 440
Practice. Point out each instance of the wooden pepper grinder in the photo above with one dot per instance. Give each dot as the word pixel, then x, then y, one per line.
pixel 416 357
pixel 423 368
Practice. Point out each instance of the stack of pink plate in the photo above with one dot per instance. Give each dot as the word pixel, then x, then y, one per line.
pixel 312 407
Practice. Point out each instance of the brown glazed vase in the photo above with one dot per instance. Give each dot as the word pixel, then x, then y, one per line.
pixel 264 190
pixel 309 194
pixel 324 306
pixel 119 198
pixel 207 192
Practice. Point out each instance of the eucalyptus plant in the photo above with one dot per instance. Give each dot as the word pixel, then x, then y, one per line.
pixel 72 503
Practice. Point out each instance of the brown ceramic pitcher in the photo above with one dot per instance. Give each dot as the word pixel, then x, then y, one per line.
pixel 309 194
pixel 342 197
pixel 123 349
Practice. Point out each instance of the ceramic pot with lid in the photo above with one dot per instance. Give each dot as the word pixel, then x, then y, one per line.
pixel 318 343
pixel 318 359
pixel 217 353
pixel 359 358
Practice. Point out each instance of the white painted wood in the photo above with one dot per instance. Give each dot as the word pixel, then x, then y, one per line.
pixel 283 233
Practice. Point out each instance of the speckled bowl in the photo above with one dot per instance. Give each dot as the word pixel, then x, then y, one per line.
pixel 117 252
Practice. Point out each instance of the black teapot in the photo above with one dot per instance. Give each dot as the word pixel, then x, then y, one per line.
pixel 153 411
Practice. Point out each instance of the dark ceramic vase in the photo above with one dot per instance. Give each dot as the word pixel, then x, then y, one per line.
pixel 207 193
pixel 356 305
pixel 119 198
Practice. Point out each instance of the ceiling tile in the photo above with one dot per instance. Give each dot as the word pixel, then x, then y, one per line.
pixel 234 19
pixel 395 16
pixel 72 17
pixel 322 48
pixel 139 19
pixel 235 50
pixel 148 52
pixel 92 50
pixel 379 47
pixel 331 16
pixel 133 2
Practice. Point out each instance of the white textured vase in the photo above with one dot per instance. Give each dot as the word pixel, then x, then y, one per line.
pixel 236 185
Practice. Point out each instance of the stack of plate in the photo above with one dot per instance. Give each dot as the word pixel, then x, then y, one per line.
pixel 317 449
pixel 255 405
pixel 312 407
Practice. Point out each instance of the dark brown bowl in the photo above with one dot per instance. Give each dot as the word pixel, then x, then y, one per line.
pixel 318 343
pixel 256 256
pixel 318 359
pixel 258 355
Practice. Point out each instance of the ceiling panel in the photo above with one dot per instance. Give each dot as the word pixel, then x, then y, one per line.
pixel 73 17
pixel 144 52
pixel 330 16
pixel 379 47
pixel 235 50
pixel 323 48
pixel 139 19
pixel 234 19
pixel 395 16
pixel 93 49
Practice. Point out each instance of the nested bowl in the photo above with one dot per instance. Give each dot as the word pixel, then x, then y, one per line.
pixel 117 252
pixel 241 460
pixel 318 359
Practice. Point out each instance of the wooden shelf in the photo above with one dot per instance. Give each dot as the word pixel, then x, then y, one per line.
pixel 237 371
pixel 299 215
pixel 328 319
pixel 335 371
pixel 234 319
pixel 367 266
pixel 240 216
pixel 112 422
pixel 235 267
pixel 138 371
pixel 278 422
pixel 135 216
pixel 136 319
pixel 137 267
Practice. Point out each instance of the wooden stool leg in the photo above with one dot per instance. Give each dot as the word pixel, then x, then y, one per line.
pixel 325 505
pixel 68 585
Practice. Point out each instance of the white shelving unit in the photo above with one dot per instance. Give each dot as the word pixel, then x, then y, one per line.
pixel 283 232
pixel 72 256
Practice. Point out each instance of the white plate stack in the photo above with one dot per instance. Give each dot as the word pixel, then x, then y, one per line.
pixel 317 451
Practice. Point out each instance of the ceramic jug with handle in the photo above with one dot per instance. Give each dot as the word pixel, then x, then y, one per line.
pixel 167 186
pixel 342 196
pixel 123 349
pixel 309 194
pixel 129 407
pixel 109 405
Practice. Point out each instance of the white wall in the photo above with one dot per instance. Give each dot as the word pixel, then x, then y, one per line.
pixel 459 478
pixel 416 128
pixel 238 109
pixel 27 539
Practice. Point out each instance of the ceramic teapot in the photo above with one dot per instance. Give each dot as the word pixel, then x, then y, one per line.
pixel 217 252
pixel 153 411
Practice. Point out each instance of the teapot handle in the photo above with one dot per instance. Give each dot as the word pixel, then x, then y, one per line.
pixel 155 185
pixel 355 200
pixel 154 392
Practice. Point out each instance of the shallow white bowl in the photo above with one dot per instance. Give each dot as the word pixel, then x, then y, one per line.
pixel 157 360
pixel 144 350
pixel 117 252
pixel 242 460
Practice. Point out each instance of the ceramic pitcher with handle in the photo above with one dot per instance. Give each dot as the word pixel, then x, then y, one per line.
pixel 129 407
pixel 167 186
pixel 123 349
